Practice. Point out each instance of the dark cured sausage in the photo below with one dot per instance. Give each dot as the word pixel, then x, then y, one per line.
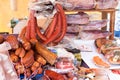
pixel 64 22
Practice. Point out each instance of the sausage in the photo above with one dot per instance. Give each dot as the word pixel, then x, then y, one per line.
pixel 27 45
pixel 13 41
pixel 28 29
pixel 40 59
pixel 36 64
pixel 22 33
pixel 33 68
pixel 14 57
pixel 51 27
pixel 29 63
pixel 64 23
pixel 33 41
pixel 57 31
pixel 29 55
pixel 49 56
pixel 54 75
pixel 40 35
pixel 40 70
pixel 20 52
pixel 33 25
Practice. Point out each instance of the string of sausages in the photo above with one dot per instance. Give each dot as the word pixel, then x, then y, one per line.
pixel 54 32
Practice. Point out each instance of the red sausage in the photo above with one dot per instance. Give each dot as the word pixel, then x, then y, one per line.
pixel 33 25
pixel 64 23
pixel 54 75
pixel 51 27
pixel 28 28
pixel 56 32
pixel 40 35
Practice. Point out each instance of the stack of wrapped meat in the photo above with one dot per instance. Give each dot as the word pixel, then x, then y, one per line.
pixel 80 25
pixel 88 4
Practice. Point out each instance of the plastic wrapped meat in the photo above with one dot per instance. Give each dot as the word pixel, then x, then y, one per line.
pixel 79 18
pixel 103 4
pixel 77 4
pixel 73 29
pixel 94 25
pixel 93 34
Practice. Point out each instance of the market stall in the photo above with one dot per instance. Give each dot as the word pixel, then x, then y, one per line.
pixel 67 47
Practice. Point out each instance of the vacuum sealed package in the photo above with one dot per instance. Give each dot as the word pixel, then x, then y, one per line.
pixel 78 18
pixel 77 4
pixel 106 4
pixel 93 34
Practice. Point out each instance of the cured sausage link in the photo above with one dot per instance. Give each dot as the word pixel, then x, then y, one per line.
pixel 64 22
pixel 51 27
pixel 56 32
pixel 54 75
pixel 28 29
pixel 40 35
pixel 33 25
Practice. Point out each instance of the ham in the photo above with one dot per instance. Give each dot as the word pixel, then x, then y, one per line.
pixel 73 29
pixel 103 4
pixel 79 18
pixel 93 34
pixel 94 25
pixel 77 4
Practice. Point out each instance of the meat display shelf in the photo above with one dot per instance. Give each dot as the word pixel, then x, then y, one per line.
pixel 104 12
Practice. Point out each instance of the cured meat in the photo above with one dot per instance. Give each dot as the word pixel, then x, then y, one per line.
pixel 93 34
pixel 78 4
pixel 103 4
pixel 79 18
pixel 73 29
pixel 94 25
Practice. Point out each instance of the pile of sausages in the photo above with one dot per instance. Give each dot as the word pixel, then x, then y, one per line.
pixel 25 59
pixel 54 32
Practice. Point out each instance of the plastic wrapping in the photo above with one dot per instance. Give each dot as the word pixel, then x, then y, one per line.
pixel 79 18
pixel 7 69
pixel 106 4
pixel 93 34
pixel 77 4
pixel 94 25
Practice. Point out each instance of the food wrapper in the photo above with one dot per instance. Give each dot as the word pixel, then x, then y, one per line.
pixel 103 4
pixel 7 70
pixel 77 4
